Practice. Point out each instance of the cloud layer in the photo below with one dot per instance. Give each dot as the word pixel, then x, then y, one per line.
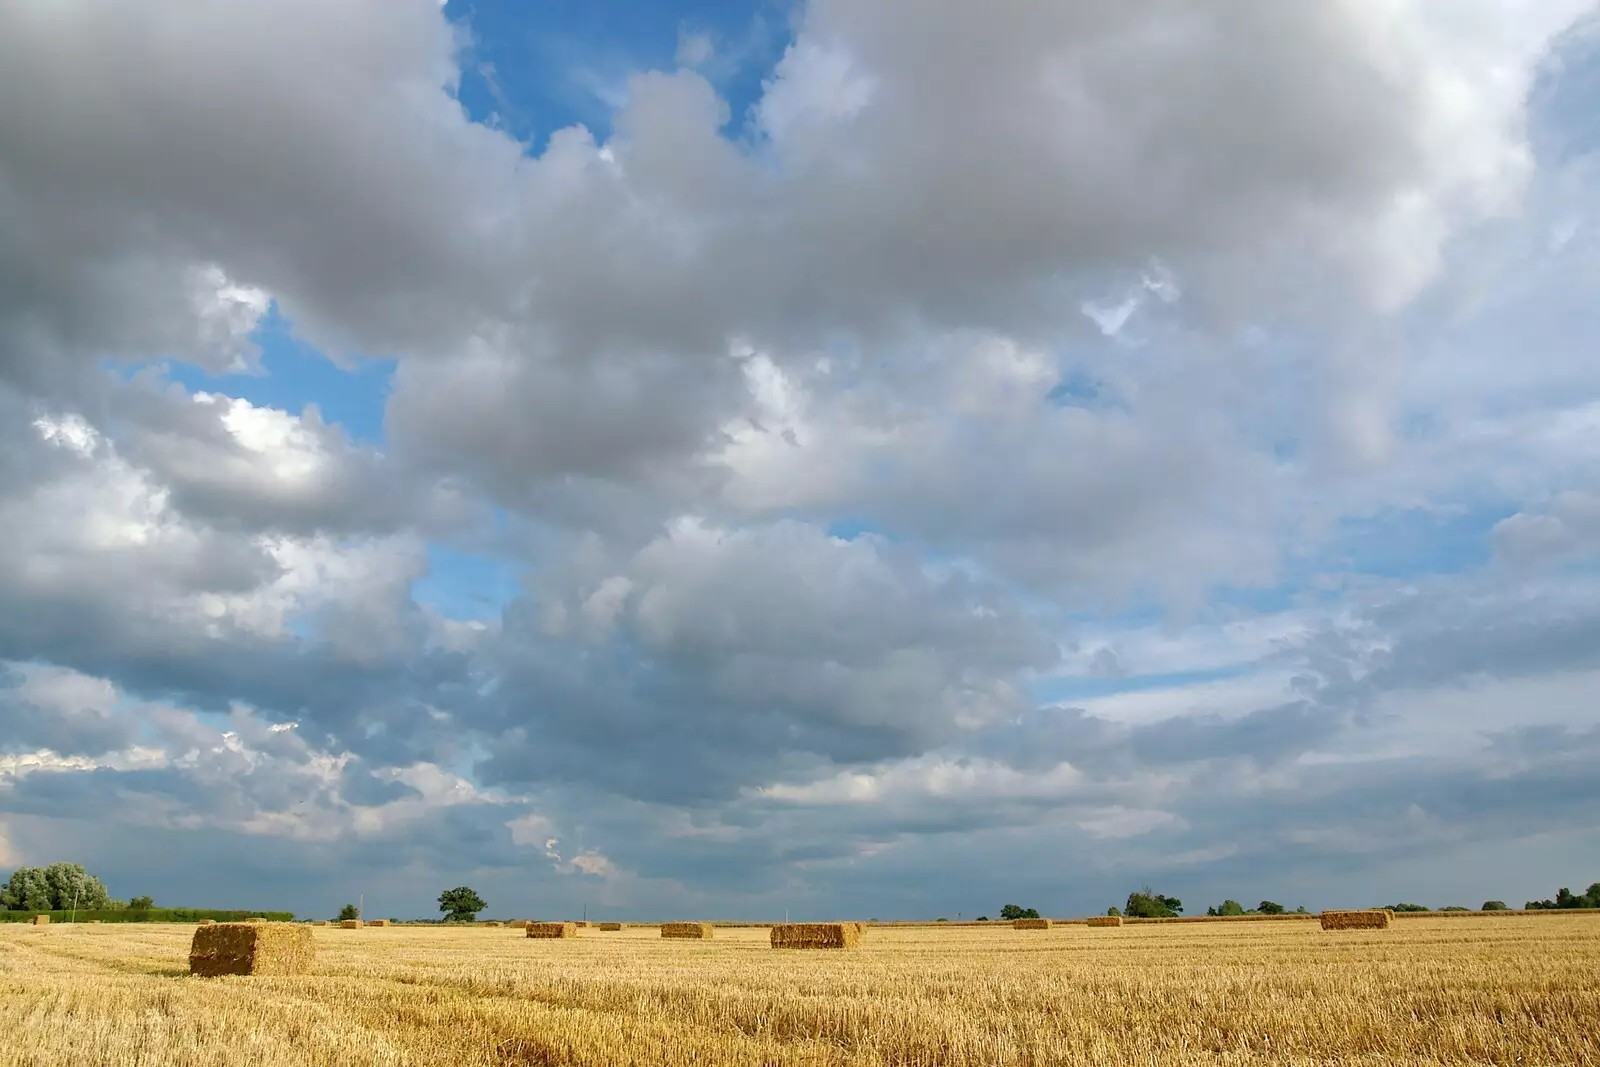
pixel 1099 443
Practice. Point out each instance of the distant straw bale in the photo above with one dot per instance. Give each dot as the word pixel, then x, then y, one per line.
pixel 610 927
pixel 1104 920
pixel 251 948
pixel 377 922
pixel 582 924
pixel 552 929
pixel 1030 924
pixel 205 922
pixel 349 924
pixel 816 935
pixel 518 924
pixel 314 922
pixel 1356 920
pixel 494 923
pixel 693 931
pixel 41 920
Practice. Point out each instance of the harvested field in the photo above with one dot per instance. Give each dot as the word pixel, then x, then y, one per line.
pixel 693 931
pixel 555 930
pixel 1425 993
pixel 1356 920
pixel 1103 920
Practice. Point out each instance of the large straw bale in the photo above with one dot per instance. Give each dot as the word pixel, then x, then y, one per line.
pixel 349 924
pixel 1030 924
pixel 552 929
pixel 41 920
pixel 816 935
pixel 610 926
pixel 1104 920
pixel 692 931
pixel 1356 920
pixel 251 948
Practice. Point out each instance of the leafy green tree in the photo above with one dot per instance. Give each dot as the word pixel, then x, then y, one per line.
pixel 460 905
pixel 1267 907
pixel 1227 907
pixel 1409 907
pixel 1494 905
pixel 1146 903
pixel 57 887
pixel 1113 910
pixel 349 911
pixel 142 903
pixel 1014 911
pixel 1454 907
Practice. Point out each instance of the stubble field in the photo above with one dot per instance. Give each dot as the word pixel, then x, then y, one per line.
pixel 1427 991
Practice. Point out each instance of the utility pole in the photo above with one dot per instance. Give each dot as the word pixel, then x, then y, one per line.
pixel 361 907
pixel 586 911
pixel 75 891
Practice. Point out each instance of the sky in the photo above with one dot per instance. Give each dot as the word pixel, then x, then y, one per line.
pixel 845 458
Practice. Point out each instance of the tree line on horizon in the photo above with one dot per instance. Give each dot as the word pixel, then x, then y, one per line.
pixel 65 886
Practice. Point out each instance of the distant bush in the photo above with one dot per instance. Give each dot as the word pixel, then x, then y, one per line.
pixel 1146 903
pixel 1494 905
pixel 1227 907
pixel 1566 898
pixel 1455 907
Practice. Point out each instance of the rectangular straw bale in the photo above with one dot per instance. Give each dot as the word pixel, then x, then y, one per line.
pixel 816 935
pixel 552 929
pixel 694 931
pixel 204 922
pixel 518 924
pixel 1356 920
pixel 494 923
pixel 41 920
pixel 377 922
pixel 610 926
pixel 1030 924
pixel 251 948
pixel 582 924
pixel 1104 920
pixel 314 922
pixel 349 924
